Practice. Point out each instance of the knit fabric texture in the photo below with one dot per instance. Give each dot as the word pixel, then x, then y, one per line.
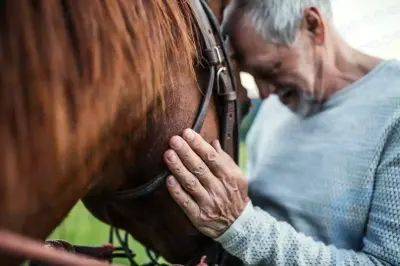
pixel 325 190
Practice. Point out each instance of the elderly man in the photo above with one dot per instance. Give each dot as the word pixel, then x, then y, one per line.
pixel 324 173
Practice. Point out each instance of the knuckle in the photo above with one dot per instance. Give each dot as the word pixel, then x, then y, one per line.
pixel 237 172
pixel 185 203
pixel 184 152
pixel 196 142
pixel 203 217
pixel 182 201
pixel 231 186
pixel 191 185
pixel 200 170
pixel 178 170
pixel 230 173
pixel 177 195
pixel 207 215
pixel 212 156
pixel 199 215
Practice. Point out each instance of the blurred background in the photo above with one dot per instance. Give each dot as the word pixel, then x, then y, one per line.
pixel 371 26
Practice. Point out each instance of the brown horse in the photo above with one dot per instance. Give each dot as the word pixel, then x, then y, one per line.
pixel 102 87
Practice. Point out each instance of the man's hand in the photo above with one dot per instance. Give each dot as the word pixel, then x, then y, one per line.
pixel 206 183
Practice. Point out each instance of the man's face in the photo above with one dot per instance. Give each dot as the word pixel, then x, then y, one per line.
pixel 289 72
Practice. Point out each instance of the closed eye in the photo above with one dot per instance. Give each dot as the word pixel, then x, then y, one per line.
pixel 271 70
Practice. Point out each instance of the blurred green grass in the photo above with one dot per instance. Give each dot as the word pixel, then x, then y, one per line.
pixel 81 228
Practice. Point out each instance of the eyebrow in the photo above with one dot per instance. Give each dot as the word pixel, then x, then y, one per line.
pixel 259 67
pixel 265 62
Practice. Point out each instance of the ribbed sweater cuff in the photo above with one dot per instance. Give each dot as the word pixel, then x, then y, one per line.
pixel 239 226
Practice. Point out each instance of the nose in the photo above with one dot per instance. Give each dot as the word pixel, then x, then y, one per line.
pixel 265 88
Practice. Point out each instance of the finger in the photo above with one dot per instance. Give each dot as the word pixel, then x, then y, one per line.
pixel 217 146
pixel 228 159
pixel 192 161
pixel 183 199
pixel 214 159
pixel 186 179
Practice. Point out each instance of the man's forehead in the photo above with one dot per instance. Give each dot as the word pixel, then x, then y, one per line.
pixel 241 32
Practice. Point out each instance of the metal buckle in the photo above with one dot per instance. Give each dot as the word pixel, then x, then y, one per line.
pixel 218 54
pixel 219 72
pixel 226 93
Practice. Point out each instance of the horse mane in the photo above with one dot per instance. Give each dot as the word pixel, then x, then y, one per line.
pixel 68 66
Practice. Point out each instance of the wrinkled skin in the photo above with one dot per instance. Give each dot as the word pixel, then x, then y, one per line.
pixel 304 74
pixel 218 190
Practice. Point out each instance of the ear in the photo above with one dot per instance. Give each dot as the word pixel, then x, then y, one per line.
pixel 314 25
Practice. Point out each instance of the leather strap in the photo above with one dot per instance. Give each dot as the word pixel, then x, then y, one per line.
pixel 203 24
pixel 227 97
pixel 226 90
pixel 213 56
pixel 102 253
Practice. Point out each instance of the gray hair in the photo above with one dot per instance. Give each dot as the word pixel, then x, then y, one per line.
pixel 279 20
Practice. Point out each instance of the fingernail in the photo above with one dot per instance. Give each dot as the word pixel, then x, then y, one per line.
pixel 171 156
pixel 171 181
pixel 176 142
pixel 188 134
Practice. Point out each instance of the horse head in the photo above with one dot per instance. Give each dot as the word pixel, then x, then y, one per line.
pixel 154 219
pixel 90 92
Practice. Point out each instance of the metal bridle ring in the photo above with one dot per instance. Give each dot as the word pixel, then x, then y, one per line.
pixel 218 75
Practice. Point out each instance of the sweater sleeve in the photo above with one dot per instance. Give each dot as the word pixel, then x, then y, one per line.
pixel 259 239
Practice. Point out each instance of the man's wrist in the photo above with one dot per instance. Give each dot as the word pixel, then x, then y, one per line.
pixel 238 224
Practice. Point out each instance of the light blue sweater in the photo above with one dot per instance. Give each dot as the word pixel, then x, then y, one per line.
pixel 327 188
